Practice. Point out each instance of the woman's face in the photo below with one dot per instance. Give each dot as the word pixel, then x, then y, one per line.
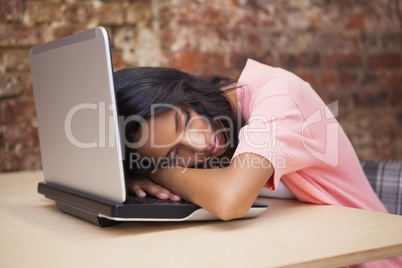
pixel 181 136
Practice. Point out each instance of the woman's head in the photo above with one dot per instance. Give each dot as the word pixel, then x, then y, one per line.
pixel 154 102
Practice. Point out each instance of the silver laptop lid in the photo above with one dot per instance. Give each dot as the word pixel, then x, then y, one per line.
pixel 77 118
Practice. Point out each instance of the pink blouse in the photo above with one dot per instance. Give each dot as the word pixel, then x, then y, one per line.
pixel 289 125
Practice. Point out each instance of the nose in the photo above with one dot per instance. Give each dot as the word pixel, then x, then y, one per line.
pixel 195 140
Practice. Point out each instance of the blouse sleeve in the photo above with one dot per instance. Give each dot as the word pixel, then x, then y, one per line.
pixel 276 130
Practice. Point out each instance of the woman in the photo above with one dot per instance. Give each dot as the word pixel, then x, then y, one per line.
pixel 187 138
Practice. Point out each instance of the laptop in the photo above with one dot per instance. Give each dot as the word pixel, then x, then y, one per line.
pixel 80 143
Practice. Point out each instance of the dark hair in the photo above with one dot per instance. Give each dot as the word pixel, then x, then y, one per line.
pixel 137 89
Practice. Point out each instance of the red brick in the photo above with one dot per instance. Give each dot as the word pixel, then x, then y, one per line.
pixel 355 21
pixel 368 79
pixel 381 16
pixel 231 62
pixel 198 62
pixel 370 41
pixel 345 42
pixel 187 38
pixel 373 133
pixel 391 41
pixel 306 60
pixel 26 82
pixel 231 38
pixel 10 85
pixel 39 12
pixel 186 61
pixel 316 21
pixel 168 36
pixel 299 42
pixel 16 110
pixel 4 157
pixel 118 61
pixel 139 13
pixel 20 36
pixel 11 10
pixel 125 40
pixel 249 16
pixel 22 134
pixel 391 60
pixel 347 78
pixel 4 166
pixel 343 61
pixel 307 76
pixel 370 97
pixel 252 41
pixel 348 50
pixel 238 61
pixel 326 78
pixel 14 60
pixel 395 98
pixel 191 14
pixel 388 79
pixel 79 12
pixel 183 38
pixel 25 159
pixel 271 59
pixel 110 14
pixel 301 19
pixel 14 84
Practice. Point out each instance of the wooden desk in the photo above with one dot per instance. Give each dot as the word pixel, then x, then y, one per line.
pixel 33 233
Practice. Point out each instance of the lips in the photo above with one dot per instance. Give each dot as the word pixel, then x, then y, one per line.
pixel 214 146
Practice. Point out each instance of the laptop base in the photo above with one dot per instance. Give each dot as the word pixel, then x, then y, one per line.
pixel 84 215
pixel 105 214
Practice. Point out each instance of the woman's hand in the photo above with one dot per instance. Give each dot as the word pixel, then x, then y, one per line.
pixel 141 186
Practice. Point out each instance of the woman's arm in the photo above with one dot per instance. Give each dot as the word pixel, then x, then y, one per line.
pixel 227 193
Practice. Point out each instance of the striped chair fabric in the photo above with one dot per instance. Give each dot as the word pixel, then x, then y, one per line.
pixel 386 179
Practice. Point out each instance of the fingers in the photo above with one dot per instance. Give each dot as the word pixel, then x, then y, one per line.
pixel 136 189
pixel 156 191
pixel 142 188
pixel 174 197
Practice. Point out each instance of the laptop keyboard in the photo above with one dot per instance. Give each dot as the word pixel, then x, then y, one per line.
pixel 151 200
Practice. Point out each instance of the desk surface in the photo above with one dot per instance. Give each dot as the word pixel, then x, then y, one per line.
pixel 33 232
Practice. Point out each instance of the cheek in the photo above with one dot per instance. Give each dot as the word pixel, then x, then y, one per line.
pixel 187 159
pixel 198 122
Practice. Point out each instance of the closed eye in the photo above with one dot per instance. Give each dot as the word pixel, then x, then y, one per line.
pixel 187 120
pixel 173 153
pixel 188 117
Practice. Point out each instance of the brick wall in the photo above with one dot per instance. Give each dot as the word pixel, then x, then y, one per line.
pixel 349 50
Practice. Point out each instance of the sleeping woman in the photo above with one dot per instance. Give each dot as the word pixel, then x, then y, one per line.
pixel 219 142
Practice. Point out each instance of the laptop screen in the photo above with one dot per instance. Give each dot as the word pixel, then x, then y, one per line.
pixel 77 117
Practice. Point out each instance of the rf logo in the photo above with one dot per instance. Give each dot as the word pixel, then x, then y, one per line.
pixel 329 151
